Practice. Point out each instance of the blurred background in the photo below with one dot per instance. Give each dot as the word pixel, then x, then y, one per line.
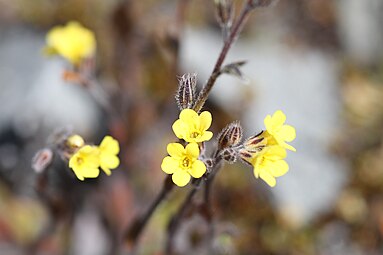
pixel 320 61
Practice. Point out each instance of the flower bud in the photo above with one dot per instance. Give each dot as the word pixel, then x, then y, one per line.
pixel 75 141
pixel 225 12
pixel 42 159
pixel 229 155
pixel 231 135
pixel 186 91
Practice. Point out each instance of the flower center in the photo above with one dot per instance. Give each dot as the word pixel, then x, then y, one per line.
pixel 194 134
pixel 186 162
pixel 80 160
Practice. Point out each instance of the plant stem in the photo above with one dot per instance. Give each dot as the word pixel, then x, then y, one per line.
pixel 203 95
pixel 175 221
pixel 134 231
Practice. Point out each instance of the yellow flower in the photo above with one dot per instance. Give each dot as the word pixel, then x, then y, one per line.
pixel 108 150
pixel 193 127
pixel 269 164
pixel 85 162
pixel 277 132
pixel 72 41
pixel 183 163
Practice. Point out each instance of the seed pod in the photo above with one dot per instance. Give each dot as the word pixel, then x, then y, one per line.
pixel 231 135
pixel 186 91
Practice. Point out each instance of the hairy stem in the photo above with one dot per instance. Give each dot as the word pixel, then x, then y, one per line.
pixel 203 95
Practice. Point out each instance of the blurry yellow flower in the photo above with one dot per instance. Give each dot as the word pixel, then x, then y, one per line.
pixel 277 132
pixel 85 162
pixel 72 41
pixel 269 164
pixel 108 150
pixel 183 163
pixel 193 127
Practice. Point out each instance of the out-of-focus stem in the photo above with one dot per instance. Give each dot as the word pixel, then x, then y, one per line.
pixel 134 231
pixel 176 219
pixel 203 95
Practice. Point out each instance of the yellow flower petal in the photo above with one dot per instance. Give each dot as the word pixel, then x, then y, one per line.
pixel 181 178
pixel 278 118
pixel 207 135
pixel 169 165
pixel 109 161
pixel 90 172
pixel 289 147
pixel 205 120
pixel 268 178
pixel 192 150
pixel 176 150
pixel 198 169
pixel 188 115
pixel 275 152
pixel 179 129
pixel 279 168
pixel 287 133
pixel 110 145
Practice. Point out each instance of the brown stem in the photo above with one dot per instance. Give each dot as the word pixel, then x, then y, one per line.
pixel 203 95
pixel 176 219
pixel 135 229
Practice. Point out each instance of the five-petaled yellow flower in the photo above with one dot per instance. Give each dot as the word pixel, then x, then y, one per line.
pixel 72 41
pixel 269 164
pixel 85 162
pixel 88 159
pixel 108 151
pixel 183 163
pixel 277 132
pixel 193 127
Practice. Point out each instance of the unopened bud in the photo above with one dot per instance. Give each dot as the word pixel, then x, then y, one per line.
pixel 186 90
pixel 42 159
pixel 229 155
pixel 231 135
pixel 75 142
pixel 225 13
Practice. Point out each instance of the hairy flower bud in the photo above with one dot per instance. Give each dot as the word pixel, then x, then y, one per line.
pixel 225 13
pixel 231 135
pixel 42 159
pixel 186 91
pixel 229 155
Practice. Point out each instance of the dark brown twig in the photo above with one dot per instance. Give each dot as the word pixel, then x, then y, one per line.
pixel 135 229
pixel 204 93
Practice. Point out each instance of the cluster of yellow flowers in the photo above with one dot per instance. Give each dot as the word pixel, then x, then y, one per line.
pixel 87 159
pixel 72 41
pixel 183 161
pixel 266 151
